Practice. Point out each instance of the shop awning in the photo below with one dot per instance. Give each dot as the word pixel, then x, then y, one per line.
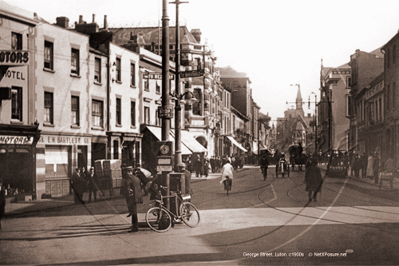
pixel 236 143
pixel 157 132
pixel 190 142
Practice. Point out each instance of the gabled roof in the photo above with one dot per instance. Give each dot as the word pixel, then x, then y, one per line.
pixel 148 35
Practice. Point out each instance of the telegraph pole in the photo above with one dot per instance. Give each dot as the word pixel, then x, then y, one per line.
pixel 178 92
pixel 165 70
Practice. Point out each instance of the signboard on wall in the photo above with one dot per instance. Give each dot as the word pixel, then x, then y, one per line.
pixel 14 58
pixel 64 140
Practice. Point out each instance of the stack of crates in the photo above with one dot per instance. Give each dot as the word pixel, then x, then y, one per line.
pixel 112 171
pixel 109 173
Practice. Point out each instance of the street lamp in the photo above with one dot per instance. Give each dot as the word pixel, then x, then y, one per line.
pixel 315 119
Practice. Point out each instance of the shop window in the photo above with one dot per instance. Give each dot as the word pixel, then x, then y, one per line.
pixel 48 55
pixel 16 103
pixel 75 61
pixel 16 41
pixel 116 149
pixel 75 110
pixel 118 111
pixel 157 88
pixel 48 107
pixel 97 70
pixel 97 113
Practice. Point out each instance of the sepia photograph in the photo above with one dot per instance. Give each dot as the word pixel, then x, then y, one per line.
pixel 199 132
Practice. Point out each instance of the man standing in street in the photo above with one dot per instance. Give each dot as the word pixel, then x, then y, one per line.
pixel 187 179
pixel 133 195
pixel 78 185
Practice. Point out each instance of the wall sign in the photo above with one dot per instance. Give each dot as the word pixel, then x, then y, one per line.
pixel 14 58
pixel 68 140
pixel 16 140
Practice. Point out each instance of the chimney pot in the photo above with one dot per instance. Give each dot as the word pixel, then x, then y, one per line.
pixel 80 19
pixel 105 22
pixel 94 18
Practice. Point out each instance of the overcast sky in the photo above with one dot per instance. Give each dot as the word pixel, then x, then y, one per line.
pixel 277 43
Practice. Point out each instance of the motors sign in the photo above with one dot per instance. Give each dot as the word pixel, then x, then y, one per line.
pixel 16 140
pixel 14 58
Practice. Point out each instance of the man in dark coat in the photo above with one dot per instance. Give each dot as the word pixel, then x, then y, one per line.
pixel 91 179
pixel 313 180
pixel 264 164
pixel 133 195
pixel 78 184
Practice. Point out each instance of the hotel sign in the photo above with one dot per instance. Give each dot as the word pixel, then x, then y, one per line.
pixel 14 57
pixel 24 140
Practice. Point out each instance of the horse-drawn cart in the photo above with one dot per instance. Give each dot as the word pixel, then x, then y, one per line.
pixel 297 157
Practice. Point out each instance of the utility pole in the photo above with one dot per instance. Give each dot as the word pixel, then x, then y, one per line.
pixel 165 87
pixel 178 92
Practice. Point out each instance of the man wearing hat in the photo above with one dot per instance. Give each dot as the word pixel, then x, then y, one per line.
pixel 133 195
pixel 187 174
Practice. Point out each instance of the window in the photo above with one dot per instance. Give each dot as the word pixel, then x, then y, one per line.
pixel 75 61
pixel 48 107
pixel 157 88
pixel 348 82
pixel 133 114
pixel 116 149
pixel 16 103
pixel 146 115
pixel 146 87
pixel 388 57
pixel 394 54
pixel 132 74
pixel 380 108
pixel 48 55
pixel 118 69
pixel 157 119
pixel 118 111
pixel 75 110
pixel 97 113
pixel 97 70
pixel 16 41
pixel 388 96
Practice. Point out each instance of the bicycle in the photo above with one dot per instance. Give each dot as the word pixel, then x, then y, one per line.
pixel 227 184
pixel 159 218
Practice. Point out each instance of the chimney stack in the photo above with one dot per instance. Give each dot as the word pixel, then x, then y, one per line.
pixel 94 18
pixel 80 19
pixel 105 22
pixel 63 22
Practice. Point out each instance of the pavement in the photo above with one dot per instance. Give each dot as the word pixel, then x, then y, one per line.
pixel 21 207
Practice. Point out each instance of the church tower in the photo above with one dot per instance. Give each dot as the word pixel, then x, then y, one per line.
pixel 299 101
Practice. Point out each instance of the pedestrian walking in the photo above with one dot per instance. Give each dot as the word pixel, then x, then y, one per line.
pixel 197 164
pixel 377 166
pixel 356 165
pixel 205 167
pixel 92 186
pixel 264 164
pixel 313 180
pixel 2 200
pixel 227 174
pixel 79 186
pixel 133 195
pixel 370 166
pixel 363 164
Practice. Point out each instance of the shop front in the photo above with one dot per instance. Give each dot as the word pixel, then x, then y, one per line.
pixel 17 156
pixel 57 156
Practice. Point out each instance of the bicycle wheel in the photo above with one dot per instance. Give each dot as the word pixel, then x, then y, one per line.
pixel 189 214
pixel 158 219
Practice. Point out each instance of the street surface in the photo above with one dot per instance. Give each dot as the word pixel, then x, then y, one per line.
pixel 260 223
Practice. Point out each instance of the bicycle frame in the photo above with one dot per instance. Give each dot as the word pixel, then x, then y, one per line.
pixel 177 197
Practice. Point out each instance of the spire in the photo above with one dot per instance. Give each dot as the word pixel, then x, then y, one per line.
pixel 299 99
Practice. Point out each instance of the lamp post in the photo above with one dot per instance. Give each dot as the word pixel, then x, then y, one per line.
pixel 178 159
pixel 315 119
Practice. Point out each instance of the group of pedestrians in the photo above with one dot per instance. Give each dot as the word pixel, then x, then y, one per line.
pixel 83 181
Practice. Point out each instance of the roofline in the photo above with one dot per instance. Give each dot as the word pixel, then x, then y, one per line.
pixel 19 18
